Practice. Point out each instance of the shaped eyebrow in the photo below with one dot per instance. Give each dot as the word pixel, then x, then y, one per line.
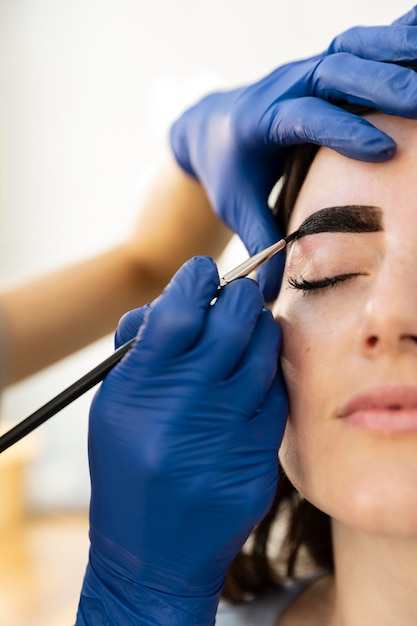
pixel 352 218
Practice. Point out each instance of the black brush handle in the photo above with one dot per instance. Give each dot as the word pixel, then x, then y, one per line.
pixel 64 398
pixel 98 373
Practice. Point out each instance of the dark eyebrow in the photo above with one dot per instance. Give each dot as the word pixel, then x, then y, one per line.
pixel 352 218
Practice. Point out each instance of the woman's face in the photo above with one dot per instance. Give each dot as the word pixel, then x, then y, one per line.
pixel 348 310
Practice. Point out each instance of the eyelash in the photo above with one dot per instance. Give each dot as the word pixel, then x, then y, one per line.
pixel 314 286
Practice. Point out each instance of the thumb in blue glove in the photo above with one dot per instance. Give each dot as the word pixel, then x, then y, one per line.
pixel 236 142
pixel 183 443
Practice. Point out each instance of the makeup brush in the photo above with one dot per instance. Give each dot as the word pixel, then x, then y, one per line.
pixel 96 375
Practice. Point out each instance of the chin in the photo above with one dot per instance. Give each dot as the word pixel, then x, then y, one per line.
pixel 370 488
pixel 366 513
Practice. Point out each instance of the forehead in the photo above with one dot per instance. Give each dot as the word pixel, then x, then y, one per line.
pixel 336 180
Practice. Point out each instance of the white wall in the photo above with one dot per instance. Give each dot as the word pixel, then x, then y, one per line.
pixel 88 88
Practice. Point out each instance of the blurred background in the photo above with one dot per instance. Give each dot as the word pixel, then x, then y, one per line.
pixel 88 91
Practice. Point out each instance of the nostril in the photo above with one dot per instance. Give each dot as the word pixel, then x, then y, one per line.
pixel 412 337
pixel 372 341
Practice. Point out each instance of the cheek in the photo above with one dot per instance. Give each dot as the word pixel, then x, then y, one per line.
pixel 309 347
pixel 297 362
pixel 319 334
pixel 313 347
pixel 357 479
pixel 304 385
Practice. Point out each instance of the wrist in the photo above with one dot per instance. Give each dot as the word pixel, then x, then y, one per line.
pixel 111 596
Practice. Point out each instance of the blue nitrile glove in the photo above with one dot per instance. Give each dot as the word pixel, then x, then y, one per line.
pixel 183 443
pixel 235 142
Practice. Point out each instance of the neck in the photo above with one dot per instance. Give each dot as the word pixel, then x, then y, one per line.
pixel 375 580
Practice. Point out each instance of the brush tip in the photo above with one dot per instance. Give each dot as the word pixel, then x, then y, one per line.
pixel 292 236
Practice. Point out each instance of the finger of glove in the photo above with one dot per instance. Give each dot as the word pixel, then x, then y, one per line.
pixel 269 277
pixel 348 78
pixel 378 43
pixel 257 368
pixel 129 325
pixel 255 224
pixel 175 320
pixel 312 120
pixel 340 77
pixel 229 328
pixel 409 18
pixel 267 425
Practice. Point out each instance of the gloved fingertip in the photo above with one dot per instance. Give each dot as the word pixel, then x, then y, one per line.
pixel 269 277
pixel 177 316
pixel 196 281
pixel 370 145
pixel 382 147
pixel 129 325
pixel 408 19
pixel 388 152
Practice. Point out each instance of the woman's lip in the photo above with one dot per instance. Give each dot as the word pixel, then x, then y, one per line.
pixel 386 409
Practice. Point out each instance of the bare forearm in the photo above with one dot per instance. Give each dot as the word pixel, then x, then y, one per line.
pixel 62 312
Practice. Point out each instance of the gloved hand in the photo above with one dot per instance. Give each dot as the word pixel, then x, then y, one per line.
pixel 183 442
pixel 236 142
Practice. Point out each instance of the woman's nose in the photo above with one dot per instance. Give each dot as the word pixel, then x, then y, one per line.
pixel 389 322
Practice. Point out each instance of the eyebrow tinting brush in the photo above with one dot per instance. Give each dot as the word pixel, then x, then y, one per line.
pixel 96 375
pixel 255 261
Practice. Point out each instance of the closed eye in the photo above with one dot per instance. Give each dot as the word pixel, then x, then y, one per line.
pixel 314 286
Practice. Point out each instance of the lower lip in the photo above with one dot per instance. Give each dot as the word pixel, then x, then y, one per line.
pixel 385 420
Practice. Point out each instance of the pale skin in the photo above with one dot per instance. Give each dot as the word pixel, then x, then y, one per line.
pixel 57 314
pixel 357 336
